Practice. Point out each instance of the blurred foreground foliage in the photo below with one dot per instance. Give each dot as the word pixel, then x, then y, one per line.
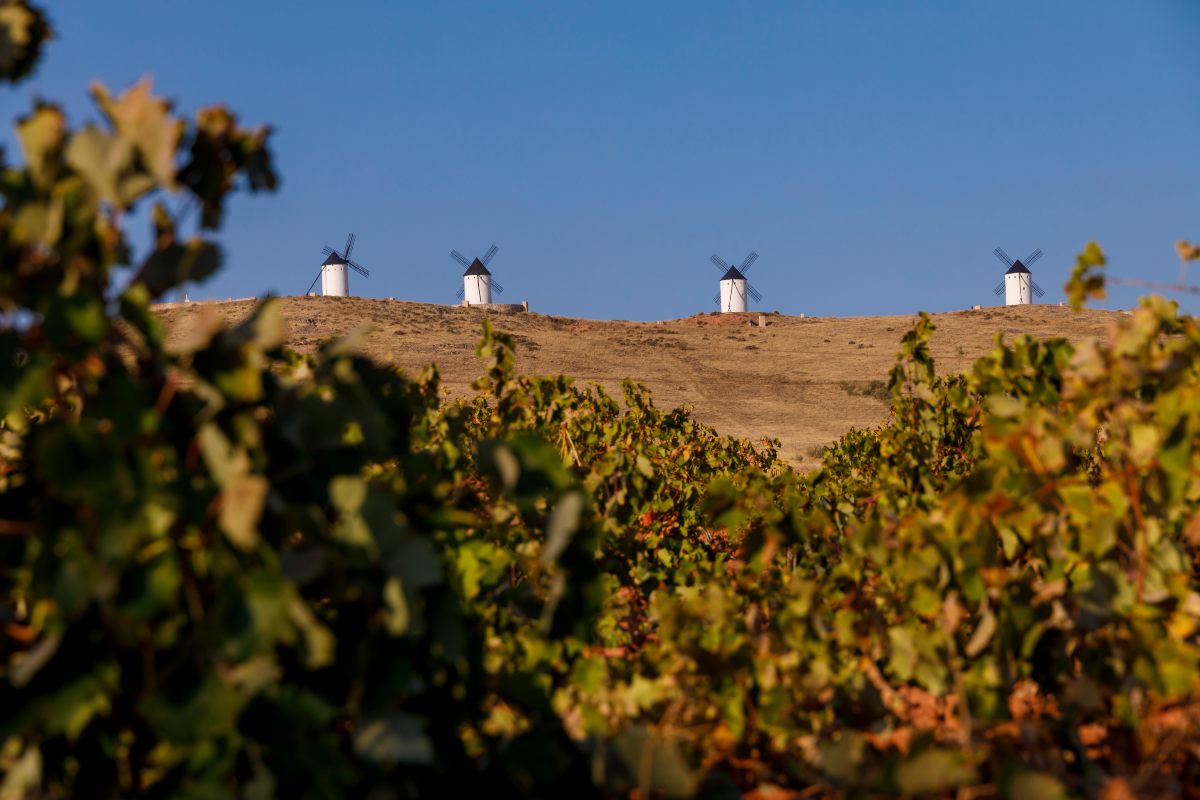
pixel 231 571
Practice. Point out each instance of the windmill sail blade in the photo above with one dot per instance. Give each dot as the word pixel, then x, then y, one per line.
pixel 460 258
pixel 717 299
pixel 495 285
pixel 359 268
pixel 320 272
pixel 999 290
pixel 460 294
pixel 489 255
pixel 720 262
pixel 755 294
pixel 1039 291
pixel 1003 256
pixel 1034 256
pixel 349 245
pixel 748 263
pixel 328 250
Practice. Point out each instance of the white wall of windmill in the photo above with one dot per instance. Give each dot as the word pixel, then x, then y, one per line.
pixel 1018 289
pixel 334 281
pixel 733 296
pixel 477 290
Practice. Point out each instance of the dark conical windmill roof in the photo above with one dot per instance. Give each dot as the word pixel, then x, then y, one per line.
pixel 733 275
pixel 476 268
pixel 1018 267
pixel 333 259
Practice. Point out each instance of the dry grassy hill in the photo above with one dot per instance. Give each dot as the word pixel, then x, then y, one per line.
pixel 803 381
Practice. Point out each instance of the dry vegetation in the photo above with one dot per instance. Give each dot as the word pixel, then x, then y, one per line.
pixel 803 381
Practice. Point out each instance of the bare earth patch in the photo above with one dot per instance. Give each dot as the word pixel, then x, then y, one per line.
pixel 802 381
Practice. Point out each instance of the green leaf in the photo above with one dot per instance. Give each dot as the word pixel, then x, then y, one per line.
pixel 84 317
pixel 208 710
pixel 644 466
pixel 903 660
pixel 933 772
pixel 69 709
pixel 842 758
pixel 656 763
pixel 1035 786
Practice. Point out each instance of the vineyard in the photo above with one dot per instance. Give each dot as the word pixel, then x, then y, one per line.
pixel 231 570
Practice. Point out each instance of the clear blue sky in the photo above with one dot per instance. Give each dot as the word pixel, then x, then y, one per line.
pixel 873 153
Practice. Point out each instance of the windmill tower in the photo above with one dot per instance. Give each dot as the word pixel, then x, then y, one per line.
pixel 335 282
pixel 478 283
pixel 734 287
pixel 1018 287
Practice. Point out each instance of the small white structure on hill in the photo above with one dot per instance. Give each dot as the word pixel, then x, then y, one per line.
pixel 734 288
pixel 334 278
pixel 1018 287
pixel 334 281
pixel 733 292
pixel 478 282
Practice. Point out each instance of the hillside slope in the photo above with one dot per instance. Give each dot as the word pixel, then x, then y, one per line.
pixel 799 380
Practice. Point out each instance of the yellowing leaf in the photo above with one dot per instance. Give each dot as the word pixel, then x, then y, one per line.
pixel 982 635
pixel 563 522
pixel 41 134
pixel 145 122
pixel 508 467
pixel 393 739
pixel 1144 441
pixel 347 493
pixel 1187 251
pixel 319 643
pixel 241 508
pixel 100 158
pixel 1006 407
pixel 398 615
pixel 223 460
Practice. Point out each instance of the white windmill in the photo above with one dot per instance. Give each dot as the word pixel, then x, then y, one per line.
pixel 734 287
pixel 335 282
pixel 1018 286
pixel 478 283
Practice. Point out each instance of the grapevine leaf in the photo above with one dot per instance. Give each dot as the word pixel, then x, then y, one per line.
pixel 933 772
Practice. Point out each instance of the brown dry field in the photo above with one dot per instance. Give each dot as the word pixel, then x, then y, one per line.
pixel 792 380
